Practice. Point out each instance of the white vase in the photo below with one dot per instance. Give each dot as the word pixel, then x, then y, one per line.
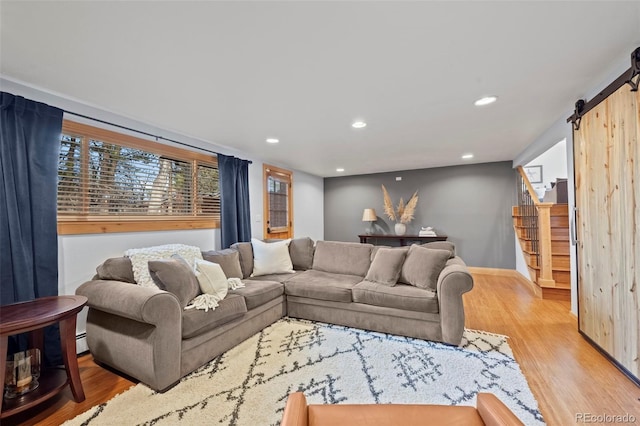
pixel 400 228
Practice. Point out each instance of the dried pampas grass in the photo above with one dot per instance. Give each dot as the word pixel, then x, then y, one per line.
pixel 405 212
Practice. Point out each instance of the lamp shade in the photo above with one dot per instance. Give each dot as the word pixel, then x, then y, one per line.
pixel 369 215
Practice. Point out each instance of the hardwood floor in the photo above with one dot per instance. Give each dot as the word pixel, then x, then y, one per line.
pixel 566 374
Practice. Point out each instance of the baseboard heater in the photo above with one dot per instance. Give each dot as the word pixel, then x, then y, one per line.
pixel 81 344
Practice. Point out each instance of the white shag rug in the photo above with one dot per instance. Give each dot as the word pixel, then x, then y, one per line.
pixel 249 384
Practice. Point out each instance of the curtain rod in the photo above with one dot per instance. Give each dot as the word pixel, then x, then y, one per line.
pixel 144 133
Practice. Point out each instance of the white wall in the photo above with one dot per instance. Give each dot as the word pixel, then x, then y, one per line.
pixel 308 206
pixel 562 130
pixel 554 164
pixel 79 255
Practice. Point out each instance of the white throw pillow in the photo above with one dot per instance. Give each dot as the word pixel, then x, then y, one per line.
pixel 271 258
pixel 211 278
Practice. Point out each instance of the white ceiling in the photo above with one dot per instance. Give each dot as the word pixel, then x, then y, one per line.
pixel 235 73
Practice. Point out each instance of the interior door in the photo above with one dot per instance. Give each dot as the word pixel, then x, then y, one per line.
pixel 607 179
pixel 278 203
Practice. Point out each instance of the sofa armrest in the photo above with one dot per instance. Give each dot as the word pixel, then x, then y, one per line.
pixel 453 282
pixel 494 412
pixel 295 412
pixel 145 304
pixel 137 330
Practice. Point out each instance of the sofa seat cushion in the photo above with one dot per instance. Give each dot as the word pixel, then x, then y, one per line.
pixel 322 285
pixel 196 321
pixel 279 278
pixel 400 296
pixel 258 293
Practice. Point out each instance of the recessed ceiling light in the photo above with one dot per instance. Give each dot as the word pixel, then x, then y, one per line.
pixel 467 156
pixel 485 101
pixel 359 124
pixel 273 140
pixel 339 169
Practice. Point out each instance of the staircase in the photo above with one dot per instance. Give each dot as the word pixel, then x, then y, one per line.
pixel 543 232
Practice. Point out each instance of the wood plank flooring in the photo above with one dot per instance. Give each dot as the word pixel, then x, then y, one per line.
pixel 566 374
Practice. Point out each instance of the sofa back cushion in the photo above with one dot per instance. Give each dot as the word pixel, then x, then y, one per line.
pixel 228 259
pixel 116 269
pixel 301 251
pixel 342 258
pixel 245 251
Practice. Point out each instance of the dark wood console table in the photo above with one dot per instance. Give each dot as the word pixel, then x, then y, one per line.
pixel 403 239
pixel 33 316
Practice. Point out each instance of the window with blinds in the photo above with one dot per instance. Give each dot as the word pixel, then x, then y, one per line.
pixel 104 176
pixel 278 204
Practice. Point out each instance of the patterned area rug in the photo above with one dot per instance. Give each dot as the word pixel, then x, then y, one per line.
pixel 249 384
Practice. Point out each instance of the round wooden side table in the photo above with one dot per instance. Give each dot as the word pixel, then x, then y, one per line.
pixel 33 316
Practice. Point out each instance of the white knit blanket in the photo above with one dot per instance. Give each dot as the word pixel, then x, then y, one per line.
pixel 205 302
pixel 140 258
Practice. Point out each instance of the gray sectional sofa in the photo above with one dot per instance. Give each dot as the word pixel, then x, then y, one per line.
pixel 145 333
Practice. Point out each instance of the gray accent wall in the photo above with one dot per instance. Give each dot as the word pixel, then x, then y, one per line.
pixel 471 204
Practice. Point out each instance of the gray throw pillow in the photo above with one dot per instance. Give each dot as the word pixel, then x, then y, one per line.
pixel 116 269
pixel 175 276
pixel 375 249
pixel 422 267
pixel 442 245
pixel 228 259
pixel 386 266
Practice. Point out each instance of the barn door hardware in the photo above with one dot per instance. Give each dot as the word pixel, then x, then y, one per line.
pixel 627 77
pixel 635 70
pixel 577 113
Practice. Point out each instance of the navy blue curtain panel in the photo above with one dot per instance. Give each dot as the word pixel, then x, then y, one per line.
pixel 29 145
pixel 235 217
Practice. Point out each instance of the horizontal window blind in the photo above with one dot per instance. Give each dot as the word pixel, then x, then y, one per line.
pixel 277 189
pixel 100 177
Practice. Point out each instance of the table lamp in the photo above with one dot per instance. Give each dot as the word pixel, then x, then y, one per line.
pixel 369 215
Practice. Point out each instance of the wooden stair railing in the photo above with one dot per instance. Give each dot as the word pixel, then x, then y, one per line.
pixel 540 230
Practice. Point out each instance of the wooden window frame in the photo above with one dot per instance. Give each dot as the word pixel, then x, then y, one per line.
pixel 97 224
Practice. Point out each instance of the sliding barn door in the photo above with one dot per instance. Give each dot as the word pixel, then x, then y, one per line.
pixel 607 178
